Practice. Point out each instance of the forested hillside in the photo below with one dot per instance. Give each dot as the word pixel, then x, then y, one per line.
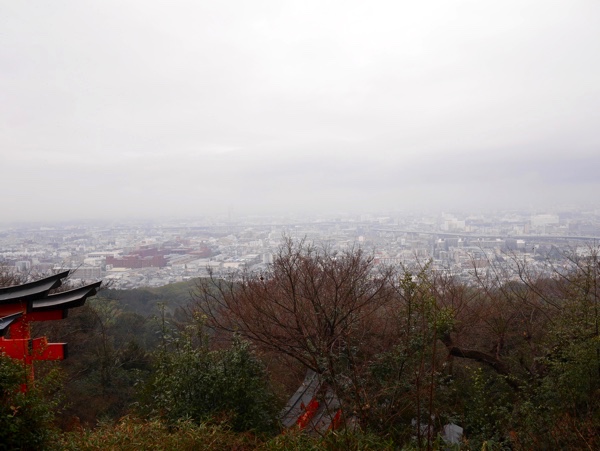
pixel 400 354
pixel 145 301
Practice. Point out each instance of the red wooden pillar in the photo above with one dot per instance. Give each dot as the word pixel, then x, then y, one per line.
pixel 22 304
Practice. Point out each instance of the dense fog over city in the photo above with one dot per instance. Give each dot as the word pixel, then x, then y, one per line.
pixel 125 109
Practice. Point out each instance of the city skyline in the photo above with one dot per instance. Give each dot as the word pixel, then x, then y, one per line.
pixel 155 253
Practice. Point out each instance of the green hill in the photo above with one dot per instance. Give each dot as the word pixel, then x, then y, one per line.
pixel 144 300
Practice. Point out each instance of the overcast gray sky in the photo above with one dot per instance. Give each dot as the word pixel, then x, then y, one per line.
pixel 147 108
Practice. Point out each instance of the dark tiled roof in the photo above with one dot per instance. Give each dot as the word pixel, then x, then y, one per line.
pixel 31 290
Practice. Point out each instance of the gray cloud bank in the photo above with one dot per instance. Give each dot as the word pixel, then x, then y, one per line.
pixel 150 108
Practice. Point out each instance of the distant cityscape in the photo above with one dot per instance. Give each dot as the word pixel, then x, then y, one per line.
pixel 155 253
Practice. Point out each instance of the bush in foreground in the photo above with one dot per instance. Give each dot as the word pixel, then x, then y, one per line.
pixel 226 386
pixel 26 419
pixel 134 434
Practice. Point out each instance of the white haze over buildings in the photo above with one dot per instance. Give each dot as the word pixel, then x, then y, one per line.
pixel 145 108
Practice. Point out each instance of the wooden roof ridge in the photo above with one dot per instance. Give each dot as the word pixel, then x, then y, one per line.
pixel 66 299
pixel 31 290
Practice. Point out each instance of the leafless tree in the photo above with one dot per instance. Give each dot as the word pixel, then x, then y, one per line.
pixel 311 304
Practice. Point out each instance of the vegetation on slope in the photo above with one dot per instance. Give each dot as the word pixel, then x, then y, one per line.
pixel 515 360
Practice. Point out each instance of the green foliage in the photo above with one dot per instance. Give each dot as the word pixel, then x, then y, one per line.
pixel 562 410
pixel 331 441
pixel 192 382
pixel 107 357
pixel 146 301
pixel 517 365
pixel 26 419
pixel 393 390
pixel 404 380
pixel 133 434
pixel 488 408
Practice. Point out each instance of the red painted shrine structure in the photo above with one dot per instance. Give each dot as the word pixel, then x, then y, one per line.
pixel 20 305
pixel 314 406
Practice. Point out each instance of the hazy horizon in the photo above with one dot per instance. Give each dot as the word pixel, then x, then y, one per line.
pixel 145 109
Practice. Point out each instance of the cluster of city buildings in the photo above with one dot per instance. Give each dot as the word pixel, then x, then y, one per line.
pixel 155 253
